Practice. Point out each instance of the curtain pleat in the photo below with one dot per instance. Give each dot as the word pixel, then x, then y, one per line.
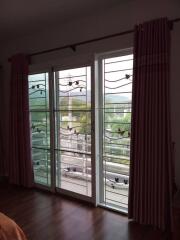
pixel 20 163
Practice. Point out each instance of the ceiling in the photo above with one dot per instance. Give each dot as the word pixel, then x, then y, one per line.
pixel 21 17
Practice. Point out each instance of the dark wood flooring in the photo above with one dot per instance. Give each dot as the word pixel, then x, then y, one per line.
pixel 46 216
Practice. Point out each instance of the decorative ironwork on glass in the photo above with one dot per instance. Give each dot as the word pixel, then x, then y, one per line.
pixel 40 126
pixel 73 130
pixel 117 94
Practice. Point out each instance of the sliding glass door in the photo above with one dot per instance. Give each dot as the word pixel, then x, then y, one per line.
pixel 73 130
pixel 60 116
pixel 64 143
pixel 115 97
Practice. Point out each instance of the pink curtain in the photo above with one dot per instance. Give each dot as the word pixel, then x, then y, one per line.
pixel 2 139
pixel 151 169
pixel 20 163
pixel 2 163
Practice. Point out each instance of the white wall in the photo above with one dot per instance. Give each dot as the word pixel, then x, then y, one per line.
pixel 114 20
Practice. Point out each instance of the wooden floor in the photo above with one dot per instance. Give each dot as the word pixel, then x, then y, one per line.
pixel 45 216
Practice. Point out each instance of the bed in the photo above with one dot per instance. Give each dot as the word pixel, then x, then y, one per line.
pixel 9 230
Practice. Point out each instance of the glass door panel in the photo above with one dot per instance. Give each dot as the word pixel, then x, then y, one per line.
pixel 73 130
pixel 40 127
pixel 115 118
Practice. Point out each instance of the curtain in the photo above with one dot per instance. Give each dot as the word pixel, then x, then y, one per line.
pixel 20 163
pixel 2 142
pixel 151 168
pixel 2 167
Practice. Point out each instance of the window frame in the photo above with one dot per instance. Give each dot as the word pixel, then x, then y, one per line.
pixel 96 119
pixel 98 124
pixel 48 71
pixel 51 72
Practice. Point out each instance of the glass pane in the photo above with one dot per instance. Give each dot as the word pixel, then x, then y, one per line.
pixel 74 89
pixel 42 166
pixel 73 130
pixel 40 129
pixel 38 91
pixel 74 171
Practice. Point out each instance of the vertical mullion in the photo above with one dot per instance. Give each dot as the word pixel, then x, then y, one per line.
pixel 99 131
pixel 85 146
pixel 93 142
pixel 46 107
pixel 57 117
pixel 52 129
pixel 104 98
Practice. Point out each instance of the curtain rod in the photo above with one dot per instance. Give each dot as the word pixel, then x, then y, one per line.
pixel 74 45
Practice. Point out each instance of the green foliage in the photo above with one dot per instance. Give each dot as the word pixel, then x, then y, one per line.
pixel 84 118
pixel 123 124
